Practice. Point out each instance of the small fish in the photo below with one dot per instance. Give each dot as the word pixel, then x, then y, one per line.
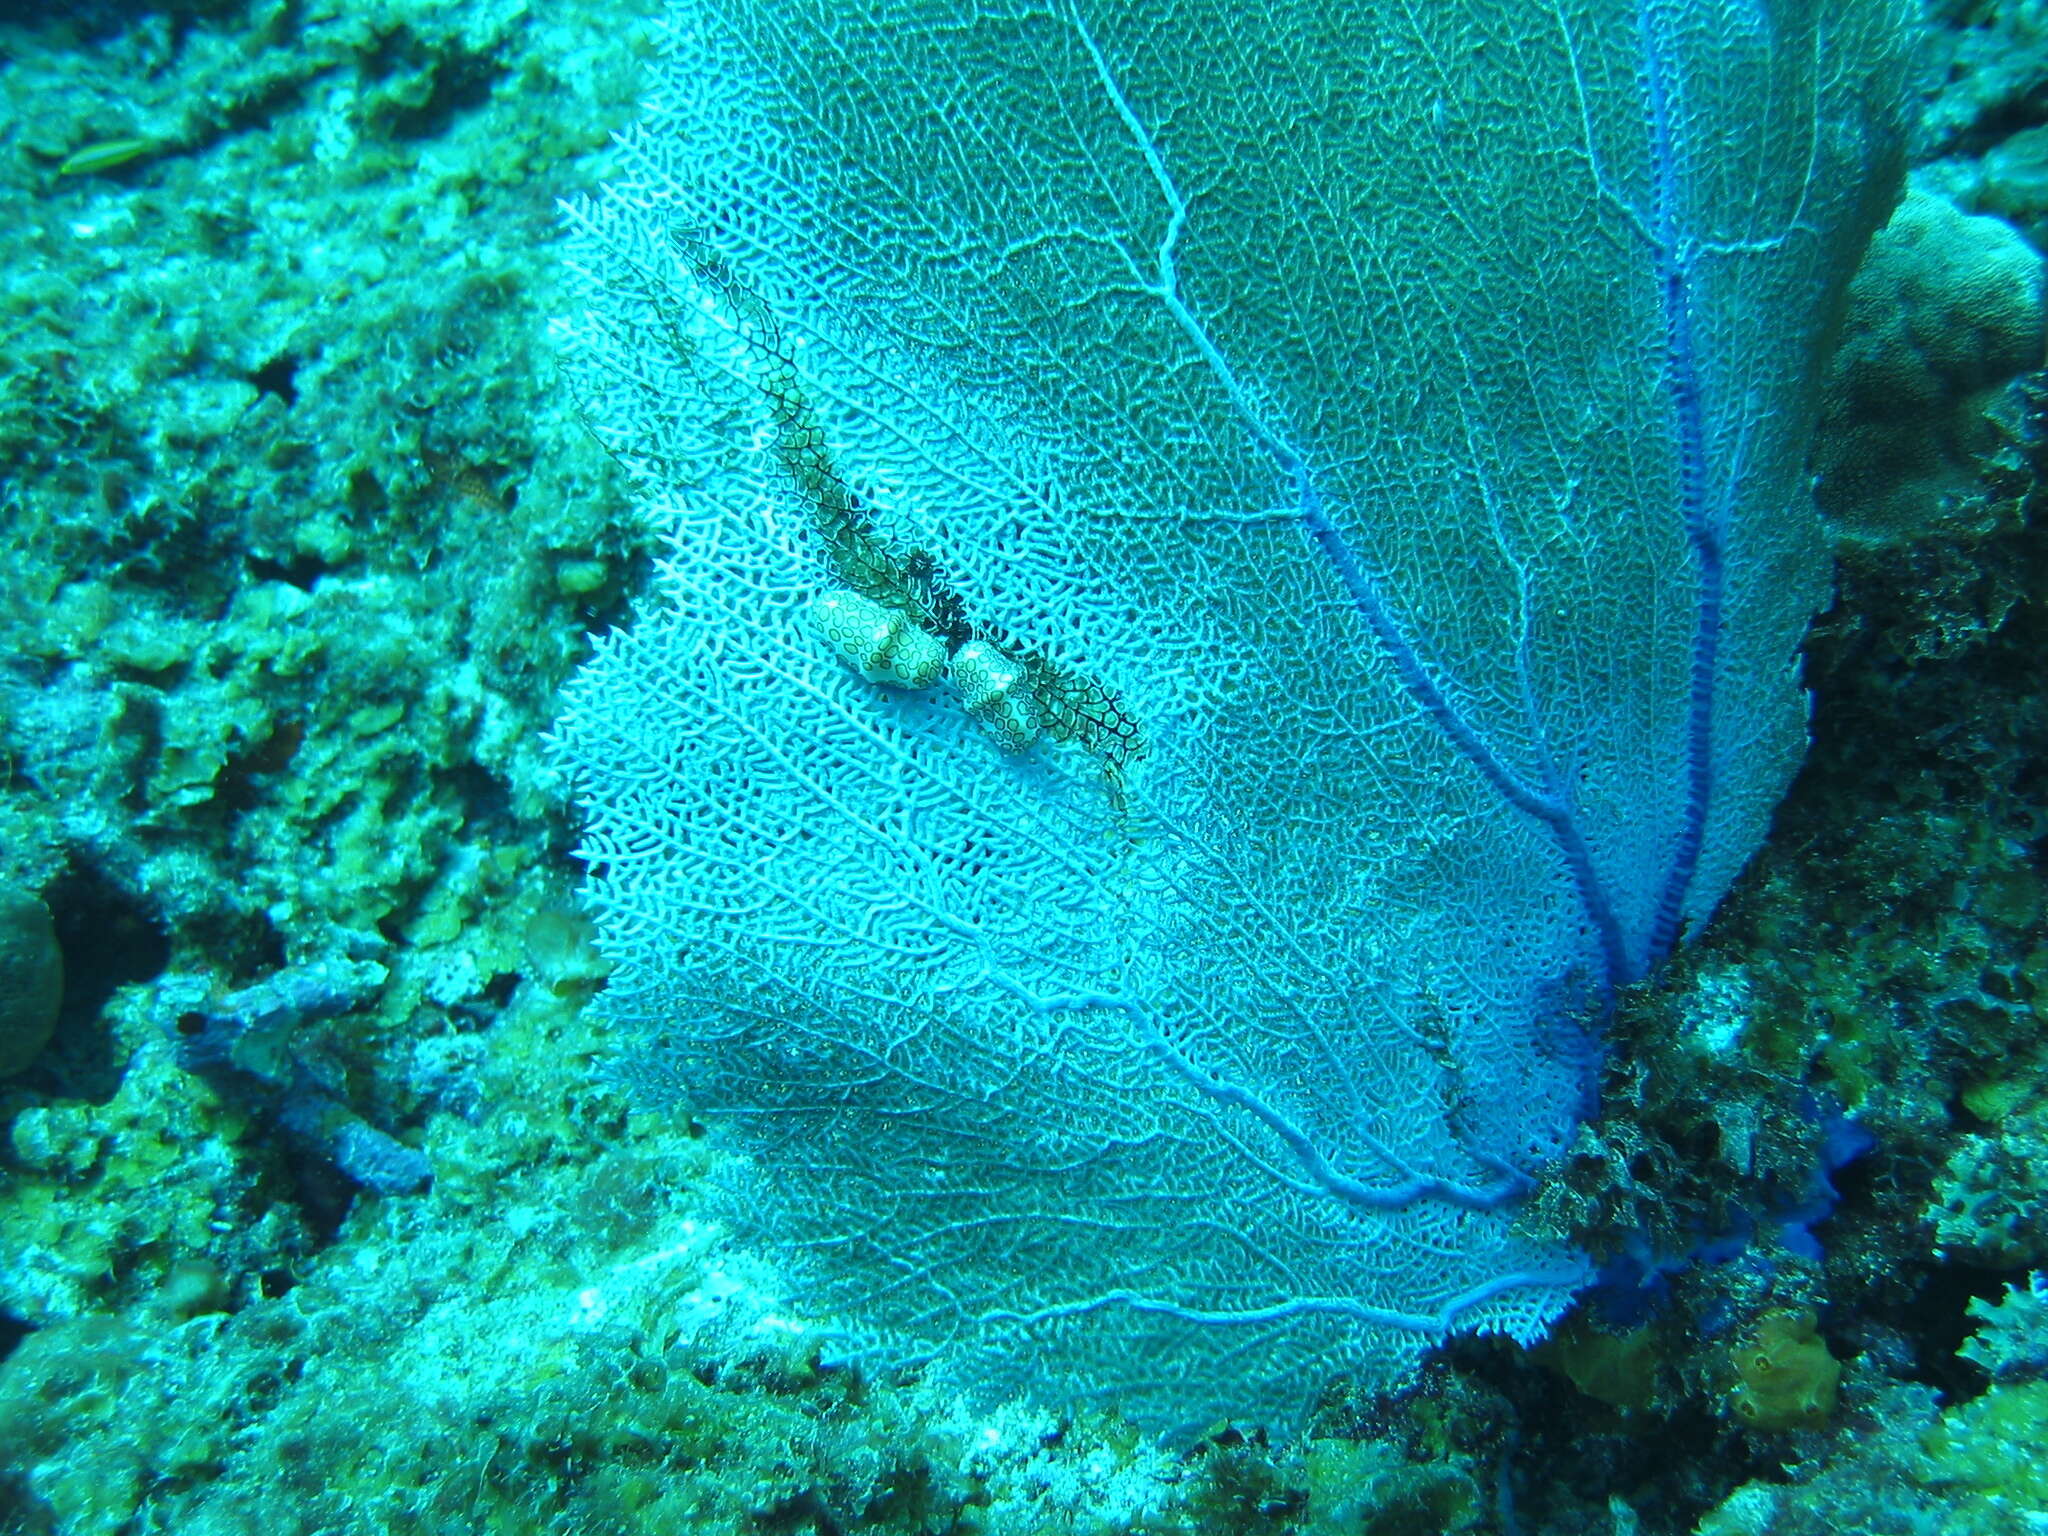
pixel 104 156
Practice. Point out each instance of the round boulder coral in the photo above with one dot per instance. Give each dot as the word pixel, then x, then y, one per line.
pixel 1945 310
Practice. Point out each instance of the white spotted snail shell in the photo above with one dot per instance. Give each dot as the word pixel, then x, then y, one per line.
pixel 989 684
pixel 881 644
pixel 885 645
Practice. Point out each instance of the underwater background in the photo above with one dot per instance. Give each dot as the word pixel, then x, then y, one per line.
pixel 317 1210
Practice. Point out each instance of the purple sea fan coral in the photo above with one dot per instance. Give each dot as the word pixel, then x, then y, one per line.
pixel 1234 572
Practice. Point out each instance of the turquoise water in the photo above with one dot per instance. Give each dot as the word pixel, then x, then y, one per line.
pixel 320 1207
